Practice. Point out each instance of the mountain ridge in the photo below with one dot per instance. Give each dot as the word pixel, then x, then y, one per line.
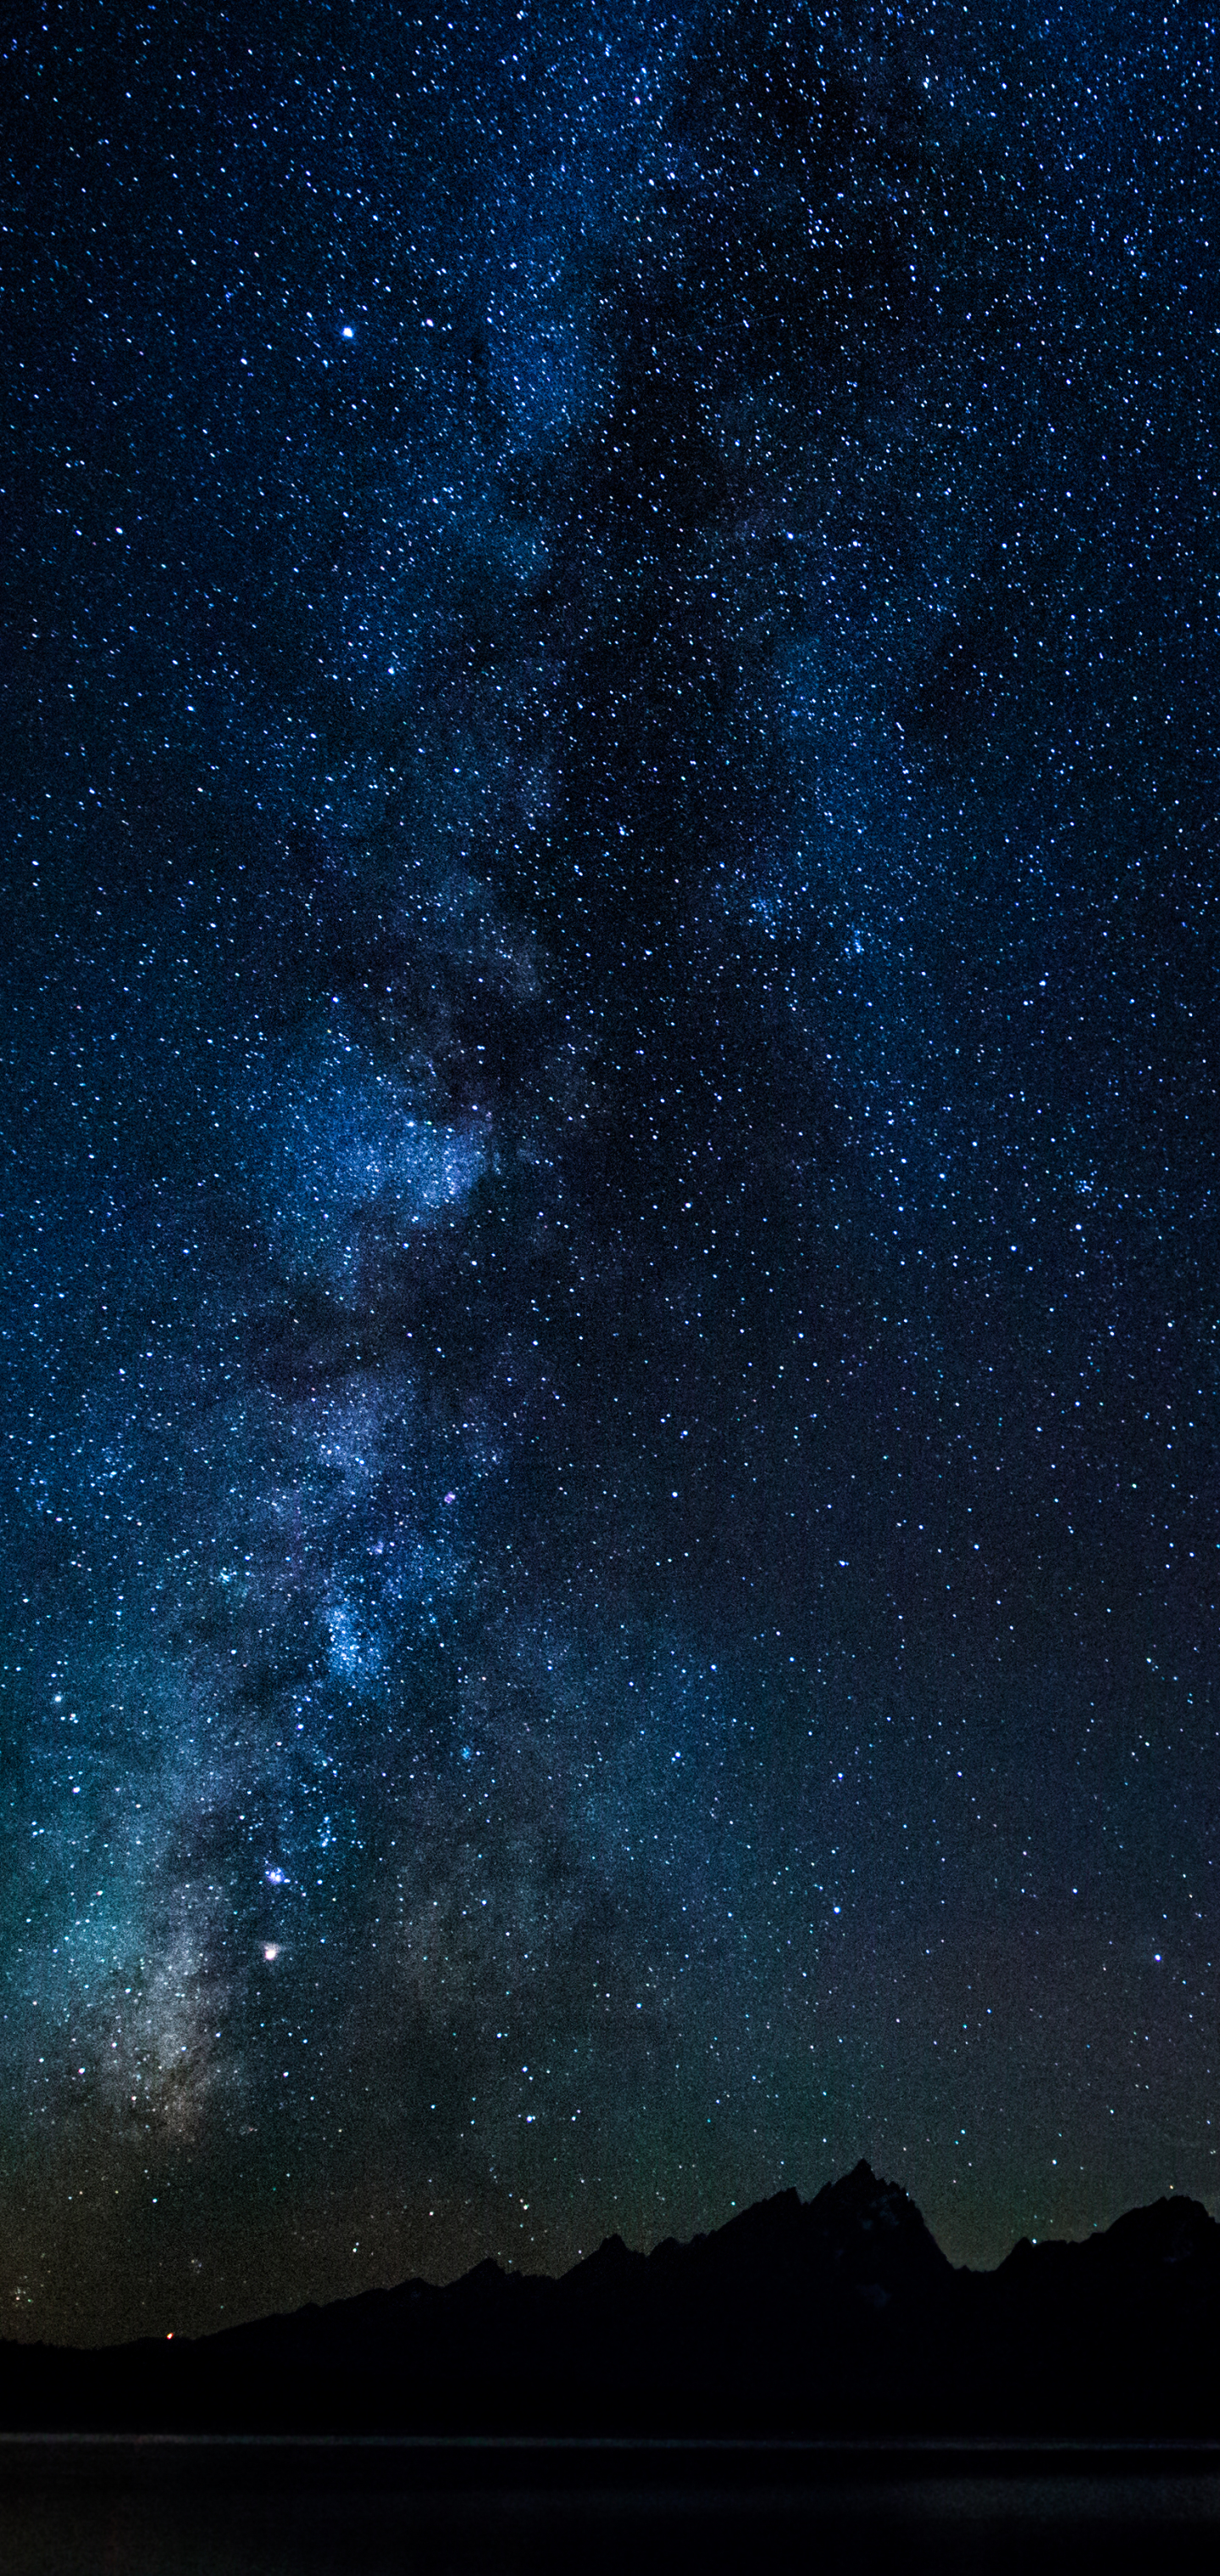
pixel 839 2313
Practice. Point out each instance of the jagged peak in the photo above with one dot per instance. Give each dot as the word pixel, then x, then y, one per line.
pixel 1174 2226
pixel 868 2197
pixel 1174 2229
pixel 611 2257
pixel 482 2276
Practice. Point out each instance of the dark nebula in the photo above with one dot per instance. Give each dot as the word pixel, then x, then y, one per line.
pixel 609 1213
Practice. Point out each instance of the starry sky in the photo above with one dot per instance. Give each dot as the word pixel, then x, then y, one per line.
pixel 609 1226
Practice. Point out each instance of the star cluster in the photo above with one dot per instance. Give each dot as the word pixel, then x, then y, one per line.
pixel 609 1226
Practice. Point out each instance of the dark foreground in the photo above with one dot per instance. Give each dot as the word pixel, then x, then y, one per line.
pixel 831 2392
pixel 174 2506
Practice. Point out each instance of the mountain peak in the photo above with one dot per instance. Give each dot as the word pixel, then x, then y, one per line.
pixel 869 2200
pixel 610 2261
pixel 1172 2230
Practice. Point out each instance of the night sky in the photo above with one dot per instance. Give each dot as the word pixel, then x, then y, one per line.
pixel 610 1320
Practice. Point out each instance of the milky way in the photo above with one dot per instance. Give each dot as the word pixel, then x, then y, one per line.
pixel 609 1224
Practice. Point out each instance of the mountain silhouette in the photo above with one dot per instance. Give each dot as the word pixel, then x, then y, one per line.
pixel 838 2315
